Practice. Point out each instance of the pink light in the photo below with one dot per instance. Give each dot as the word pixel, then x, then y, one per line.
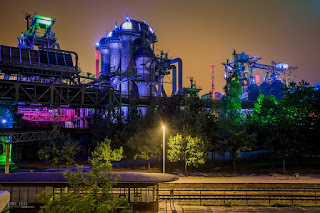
pixel 257 79
pixel 97 54
pixel 46 115
pixel 212 83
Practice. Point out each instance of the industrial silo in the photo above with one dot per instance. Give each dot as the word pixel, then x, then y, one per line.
pixel 253 92
pixel 144 70
pixel 115 57
pixel 265 89
pixel 104 49
pixel 135 36
pixel 131 58
pixel 277 89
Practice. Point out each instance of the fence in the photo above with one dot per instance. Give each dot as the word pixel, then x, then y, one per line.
pixel 242 196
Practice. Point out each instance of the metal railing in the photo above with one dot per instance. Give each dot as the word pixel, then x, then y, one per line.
pixel 242 196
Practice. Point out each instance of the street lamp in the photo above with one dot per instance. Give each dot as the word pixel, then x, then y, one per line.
pixel 163 147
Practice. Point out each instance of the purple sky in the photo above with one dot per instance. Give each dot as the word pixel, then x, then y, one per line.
pixel 201 33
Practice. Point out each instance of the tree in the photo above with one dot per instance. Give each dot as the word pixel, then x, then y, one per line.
pixel 133 147
pixel 234 138
pixel 90 192
pixel 189 115
pixel 59 151
pixel 301 101
pixel 231 102
pixel 103 155
pixel 295 121
pixel 262 120
pixel 265 109
pixel 209 135
pixel 269 121
pixel 192 151
pixel 286 126
pixel 145 145
pixel 112 127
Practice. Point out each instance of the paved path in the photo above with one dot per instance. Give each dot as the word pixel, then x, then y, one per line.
pixel 313 179
pixel 221 209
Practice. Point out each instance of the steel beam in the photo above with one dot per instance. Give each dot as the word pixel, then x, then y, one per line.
pixel 18 137
pixel 95 96
pixel 6 169
pixel 28 136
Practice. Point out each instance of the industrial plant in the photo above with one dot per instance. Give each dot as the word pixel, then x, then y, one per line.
pixel 277 75
pixel 129 63
pixel 47 85
pixel 159 106
pixel 43 87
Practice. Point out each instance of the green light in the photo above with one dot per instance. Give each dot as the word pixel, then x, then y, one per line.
pixel 3 155
pixel 43 20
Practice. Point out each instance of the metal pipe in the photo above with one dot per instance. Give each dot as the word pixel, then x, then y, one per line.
pixel 179 61
pixel 163 91
pixel 212 82
pixel 174 79
pixel 163 149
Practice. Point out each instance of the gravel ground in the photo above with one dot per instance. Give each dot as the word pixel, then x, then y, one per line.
pixel 163 207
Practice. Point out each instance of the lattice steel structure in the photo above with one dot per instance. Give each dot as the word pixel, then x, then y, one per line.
pixel 276 75
pixel 29 136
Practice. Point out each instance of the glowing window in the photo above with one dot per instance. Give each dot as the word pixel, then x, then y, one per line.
pixel 110 34
pixel 127 26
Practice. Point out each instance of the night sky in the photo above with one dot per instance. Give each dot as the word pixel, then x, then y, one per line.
pixel 200 32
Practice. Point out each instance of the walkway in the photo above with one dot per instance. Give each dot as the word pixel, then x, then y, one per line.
pixel 312 179
pixel 243 209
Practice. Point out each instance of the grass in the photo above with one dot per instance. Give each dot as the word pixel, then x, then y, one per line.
pixel 261 204
pixel 280 204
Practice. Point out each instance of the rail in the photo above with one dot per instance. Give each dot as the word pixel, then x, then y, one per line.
pixel 241 196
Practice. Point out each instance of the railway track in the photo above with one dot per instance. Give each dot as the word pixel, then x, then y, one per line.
pixel 266 195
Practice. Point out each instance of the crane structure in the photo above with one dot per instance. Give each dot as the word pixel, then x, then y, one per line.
pixel 38 34
pixel 244 66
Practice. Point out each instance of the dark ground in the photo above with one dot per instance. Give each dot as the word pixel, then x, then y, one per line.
pixel 221 168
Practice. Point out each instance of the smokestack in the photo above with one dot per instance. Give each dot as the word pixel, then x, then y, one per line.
pixel 212 82
pixel 97 54
pixel 257 79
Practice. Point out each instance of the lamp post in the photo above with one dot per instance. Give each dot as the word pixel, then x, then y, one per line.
pixel 163 147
